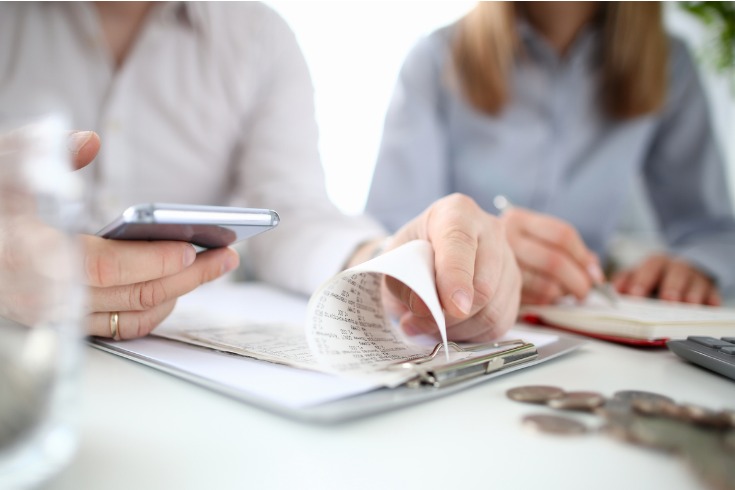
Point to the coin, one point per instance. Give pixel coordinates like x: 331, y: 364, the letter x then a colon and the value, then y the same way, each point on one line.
x: 729, y: 415
x: 554, y: 424
x: 655, y: 407
x: 697, y: 414
x: 630, y: 395
x: 578, y: 400
x: 662, y: 433
x: 728, y: 440
x: 712, y: 464
x: 615, y: 409
x: 534, y: 394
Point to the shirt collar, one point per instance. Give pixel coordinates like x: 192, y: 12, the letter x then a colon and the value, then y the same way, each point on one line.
x: 187, y: 14
x: 536, y: 45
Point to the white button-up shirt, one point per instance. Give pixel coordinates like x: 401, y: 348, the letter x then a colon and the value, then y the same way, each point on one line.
x: 212, y: 105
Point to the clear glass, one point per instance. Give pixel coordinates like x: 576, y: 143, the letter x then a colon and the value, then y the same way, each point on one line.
x: 41, y: 302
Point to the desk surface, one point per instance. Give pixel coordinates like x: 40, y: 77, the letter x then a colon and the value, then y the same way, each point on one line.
x: 143, y: 429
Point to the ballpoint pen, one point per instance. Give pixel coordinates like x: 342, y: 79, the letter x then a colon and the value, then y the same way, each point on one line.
x: 502, y: 204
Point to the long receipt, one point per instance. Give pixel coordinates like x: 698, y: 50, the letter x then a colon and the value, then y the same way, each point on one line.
x: 347, y: 330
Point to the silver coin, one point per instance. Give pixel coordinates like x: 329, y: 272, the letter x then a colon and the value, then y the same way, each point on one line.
x: 697, y: 414
x: 660, y: 433
x: 615, y: 410
x: 728, y: 439
x: 630, y: 395
x: 578, y: 400
x: 655, y: 407
x: 711, y: 463
x: 554, y: 424
x: 729, y: 415
x: 534, y: 394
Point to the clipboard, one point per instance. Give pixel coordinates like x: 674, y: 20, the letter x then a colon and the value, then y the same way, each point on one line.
x: 342, y: 328
x: 428, y: 384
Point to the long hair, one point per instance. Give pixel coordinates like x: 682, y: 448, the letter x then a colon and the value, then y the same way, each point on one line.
x: 634, y: 55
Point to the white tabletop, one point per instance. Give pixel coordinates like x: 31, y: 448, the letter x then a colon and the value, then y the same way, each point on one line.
x: 143, y: 429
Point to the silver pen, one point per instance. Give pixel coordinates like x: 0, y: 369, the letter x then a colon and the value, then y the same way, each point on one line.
x: 604, y: 288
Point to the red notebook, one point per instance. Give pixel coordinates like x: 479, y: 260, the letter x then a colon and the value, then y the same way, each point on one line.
x: 635, y: 321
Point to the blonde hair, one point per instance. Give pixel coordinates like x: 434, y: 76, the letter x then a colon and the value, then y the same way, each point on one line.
x: 634, y: 55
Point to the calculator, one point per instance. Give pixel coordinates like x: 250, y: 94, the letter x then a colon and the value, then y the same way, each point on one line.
x: 709, y: 352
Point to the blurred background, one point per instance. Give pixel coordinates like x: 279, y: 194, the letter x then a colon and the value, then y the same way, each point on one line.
x: 355, y: 50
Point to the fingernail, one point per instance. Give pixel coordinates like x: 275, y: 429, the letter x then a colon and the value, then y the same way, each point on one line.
x: 463, y: 301
x: 190, y: 255
x: 637, y: 290
x: 595, y: 272
x: 229, y: 264
x: 77, y: 140
x: 671, y: 295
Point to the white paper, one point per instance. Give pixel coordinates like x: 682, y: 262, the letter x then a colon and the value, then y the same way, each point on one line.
x: 347, y: 327
x: 343, y: 330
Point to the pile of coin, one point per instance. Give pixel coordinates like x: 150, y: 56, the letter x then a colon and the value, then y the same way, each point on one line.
x: 702, y: 437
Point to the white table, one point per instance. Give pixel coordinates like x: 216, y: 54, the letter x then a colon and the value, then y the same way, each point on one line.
x: 144, y: 429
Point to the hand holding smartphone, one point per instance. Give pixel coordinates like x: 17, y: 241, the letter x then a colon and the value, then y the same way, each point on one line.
x: 203, y: 226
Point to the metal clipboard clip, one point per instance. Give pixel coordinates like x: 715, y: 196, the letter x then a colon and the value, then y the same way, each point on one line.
x: 440, y: 375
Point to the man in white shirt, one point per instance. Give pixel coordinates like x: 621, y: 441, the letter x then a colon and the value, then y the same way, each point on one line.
x: 212, y: 103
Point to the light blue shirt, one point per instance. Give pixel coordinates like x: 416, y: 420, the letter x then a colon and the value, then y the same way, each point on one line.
x: 553, y: 149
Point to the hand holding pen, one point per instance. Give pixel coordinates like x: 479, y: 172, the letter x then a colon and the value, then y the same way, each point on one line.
x: 553, y: 258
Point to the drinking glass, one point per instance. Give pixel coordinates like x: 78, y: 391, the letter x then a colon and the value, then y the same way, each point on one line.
x: 41, y: 301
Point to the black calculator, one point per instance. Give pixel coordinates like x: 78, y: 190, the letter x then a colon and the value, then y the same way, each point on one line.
x: 709, y: 352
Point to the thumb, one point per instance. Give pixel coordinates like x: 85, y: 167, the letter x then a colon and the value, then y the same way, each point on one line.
x: 83, y: 147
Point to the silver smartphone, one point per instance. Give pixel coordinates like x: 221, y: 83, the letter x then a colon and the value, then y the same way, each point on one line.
x: 204, y: 226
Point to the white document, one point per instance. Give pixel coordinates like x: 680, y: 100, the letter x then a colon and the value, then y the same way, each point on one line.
x: 345, y: 329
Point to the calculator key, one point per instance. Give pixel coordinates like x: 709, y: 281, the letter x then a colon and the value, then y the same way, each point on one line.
x: 728, y: 350
x: 729, y: 339
x: 710, y: 342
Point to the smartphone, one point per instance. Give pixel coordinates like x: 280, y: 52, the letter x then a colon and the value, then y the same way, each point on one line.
x: 203, y: 226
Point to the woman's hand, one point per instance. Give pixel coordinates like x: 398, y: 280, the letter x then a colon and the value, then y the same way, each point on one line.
x: 477, y: 278
x: 554, y: 260
x: 670, y: 279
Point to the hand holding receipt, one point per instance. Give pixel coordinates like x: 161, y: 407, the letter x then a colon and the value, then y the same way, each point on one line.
x: 553, y: 258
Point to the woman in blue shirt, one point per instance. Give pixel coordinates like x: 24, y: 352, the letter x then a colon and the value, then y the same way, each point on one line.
x: 560, y: 106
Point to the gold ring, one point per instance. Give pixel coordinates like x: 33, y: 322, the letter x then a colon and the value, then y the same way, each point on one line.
x: 114, y: 325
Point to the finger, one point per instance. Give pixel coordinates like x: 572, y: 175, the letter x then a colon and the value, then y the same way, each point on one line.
x: 556, y: 234
x: 407, y: 297
x: 554, y: 263
x: 675, y: 279
x: 83, y: 147
x: 497, y: 316
x: 713, y: 298
x: 493, y: 317
x: 543, y: 289
x: 621, y: 280
x: 121, y: 262
x: 646, y: 277
x: 454, y: 234
x: 697, y: 290
x: 145, y: 295
x: 131, y: 324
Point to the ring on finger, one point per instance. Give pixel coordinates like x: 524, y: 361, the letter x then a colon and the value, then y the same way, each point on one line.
x: 115, y: 325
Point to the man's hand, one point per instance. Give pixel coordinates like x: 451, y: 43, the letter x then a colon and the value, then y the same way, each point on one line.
x: 83, y: 147
x: 142, y: 280
x: 139, y: 280
x: 477, y: 278
x: 554, y: 260
x: 671, y: 279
